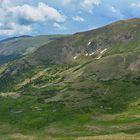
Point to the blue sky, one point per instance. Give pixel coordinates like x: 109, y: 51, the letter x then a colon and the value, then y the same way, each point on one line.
x: 37, y: 17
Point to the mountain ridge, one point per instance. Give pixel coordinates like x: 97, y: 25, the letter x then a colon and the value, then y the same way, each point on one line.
x: 16, y: 47
x: 90, y: 41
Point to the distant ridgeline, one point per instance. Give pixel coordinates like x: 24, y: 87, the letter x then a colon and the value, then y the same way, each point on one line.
x: 15, y: 47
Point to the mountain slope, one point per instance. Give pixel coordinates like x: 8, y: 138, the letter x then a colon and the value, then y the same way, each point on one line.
x: 117, y: 38
x: 16, y: 47
x: 86, y: 84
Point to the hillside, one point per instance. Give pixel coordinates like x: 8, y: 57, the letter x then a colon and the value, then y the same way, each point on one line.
x: 79, y: 87
x: 120, y: 37
x: 15, y: 47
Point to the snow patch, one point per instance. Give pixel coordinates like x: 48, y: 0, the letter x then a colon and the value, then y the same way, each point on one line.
x: 91, y: 53
x: 103, y: 51
x: 98, y: 57
x: 89, y: 43
x: 75, y: 57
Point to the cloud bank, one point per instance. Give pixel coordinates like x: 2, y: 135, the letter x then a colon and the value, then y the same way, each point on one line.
x: 18, y: 19
x: 35, y: 17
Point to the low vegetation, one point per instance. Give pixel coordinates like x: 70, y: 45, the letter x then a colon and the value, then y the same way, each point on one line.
x: 85, y: 99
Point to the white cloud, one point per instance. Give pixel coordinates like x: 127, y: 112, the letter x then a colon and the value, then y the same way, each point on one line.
x: 59, y: 26
x: 78, y: 18
x: 5, y: 2
x: 88, y: 5
x: 18, y: 19
x: 66, y: 2
x: 40, y: 13
x: 2, y: 13
x: 113, y: 9
x: 1, y: 25
x: 135, y: 5
x: 13, y: 28
x: 56, y: 25
x: 116, y: 12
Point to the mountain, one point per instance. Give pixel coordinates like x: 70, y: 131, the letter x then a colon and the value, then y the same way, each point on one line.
x: 75, y: 87
x: 15, y: 47
x: 116, y: 38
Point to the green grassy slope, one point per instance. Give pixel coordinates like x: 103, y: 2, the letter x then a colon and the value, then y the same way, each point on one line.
x: 90, y: 96
x: 83, y: 99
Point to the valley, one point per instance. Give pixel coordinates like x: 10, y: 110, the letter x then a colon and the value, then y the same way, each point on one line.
x: 84, y: 86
